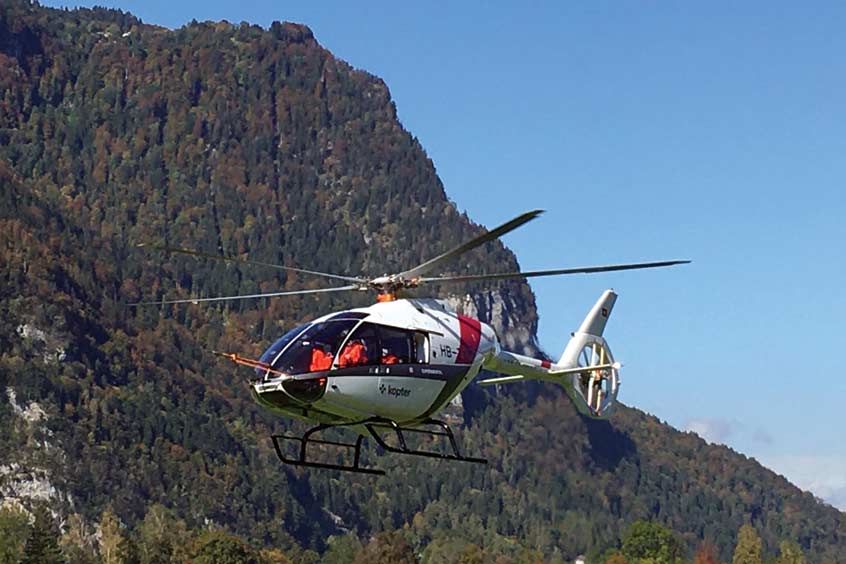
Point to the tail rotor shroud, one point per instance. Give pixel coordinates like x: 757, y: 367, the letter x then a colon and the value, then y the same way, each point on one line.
x: 599, y: 381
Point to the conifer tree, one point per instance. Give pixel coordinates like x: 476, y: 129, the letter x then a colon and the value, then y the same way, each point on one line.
x: 161, y: 537
x: 749, y: 546
x: 77, y: 542
x: 110, y: 538
x: 42, y: 544
x: 14, y: 527
x: 342, y: 549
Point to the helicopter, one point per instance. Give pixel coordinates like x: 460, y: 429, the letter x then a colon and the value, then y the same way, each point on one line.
x: 387, y: 370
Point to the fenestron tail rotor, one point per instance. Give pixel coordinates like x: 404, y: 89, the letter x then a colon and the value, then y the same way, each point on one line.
x: 388, y: 285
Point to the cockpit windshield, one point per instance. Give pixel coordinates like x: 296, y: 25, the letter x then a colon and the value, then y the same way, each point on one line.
x: 281, y: 343
x: 314, y: 349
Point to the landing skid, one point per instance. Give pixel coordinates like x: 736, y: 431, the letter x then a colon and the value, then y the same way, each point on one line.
x: 403, y: 448
x: 373, y: 426
x: 306, y: 439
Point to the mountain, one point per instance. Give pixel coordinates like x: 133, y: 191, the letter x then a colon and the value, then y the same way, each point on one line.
x: 259, y: 142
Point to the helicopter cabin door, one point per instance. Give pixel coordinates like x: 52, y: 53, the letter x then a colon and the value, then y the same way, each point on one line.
x: 382, y: 370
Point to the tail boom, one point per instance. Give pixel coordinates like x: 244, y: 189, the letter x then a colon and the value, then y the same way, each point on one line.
x: 586, y: 369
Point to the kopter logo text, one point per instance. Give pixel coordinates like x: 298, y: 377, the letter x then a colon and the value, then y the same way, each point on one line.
x: 394, y: 391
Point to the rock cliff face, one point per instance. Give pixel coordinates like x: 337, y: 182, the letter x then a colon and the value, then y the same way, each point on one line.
x: 515, y: 323
x: 26, y: 477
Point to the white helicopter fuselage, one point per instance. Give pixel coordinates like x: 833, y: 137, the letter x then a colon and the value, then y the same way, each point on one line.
x: 414, y: 356
x: 445, y: 353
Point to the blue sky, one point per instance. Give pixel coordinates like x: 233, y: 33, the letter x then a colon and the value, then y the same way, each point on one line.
x: 710, y: 131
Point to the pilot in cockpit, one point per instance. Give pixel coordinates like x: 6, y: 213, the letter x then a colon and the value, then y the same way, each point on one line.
x: 321, y: 357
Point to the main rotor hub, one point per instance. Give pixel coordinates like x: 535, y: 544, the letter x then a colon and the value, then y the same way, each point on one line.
x: 384, y: 280
x: 391, y: 284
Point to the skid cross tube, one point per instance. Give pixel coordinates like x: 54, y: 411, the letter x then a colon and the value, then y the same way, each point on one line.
x: 306, y: 439
x: 398, y: 430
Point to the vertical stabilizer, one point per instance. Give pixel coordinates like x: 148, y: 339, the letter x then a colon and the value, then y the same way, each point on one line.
x: 594, y: 323
x: 592, y: 326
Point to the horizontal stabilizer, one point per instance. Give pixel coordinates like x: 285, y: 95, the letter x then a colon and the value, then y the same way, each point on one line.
x: 501, y: 380
x: 579, y: 369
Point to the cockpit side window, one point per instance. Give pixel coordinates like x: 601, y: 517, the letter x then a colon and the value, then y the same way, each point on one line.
x: 362, y: 347
x: 372, y: 344
x: 421, y: 347
x: 396, y: 346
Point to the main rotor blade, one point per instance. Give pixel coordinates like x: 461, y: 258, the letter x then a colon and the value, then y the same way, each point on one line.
x: 432, y: 264
x: 252, y: 262
x: 251, y: 296
x: 534, y: 273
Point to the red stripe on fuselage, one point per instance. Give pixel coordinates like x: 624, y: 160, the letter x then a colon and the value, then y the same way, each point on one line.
x: 471, y: 334
x: 546, y: 364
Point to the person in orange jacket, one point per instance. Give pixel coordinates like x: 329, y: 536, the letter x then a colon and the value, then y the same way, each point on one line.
x: 320, y: 360
x: 354, y: 354
x: 388, y: 358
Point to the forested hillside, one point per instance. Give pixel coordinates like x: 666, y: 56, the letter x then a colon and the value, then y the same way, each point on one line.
x: 260, y: 143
